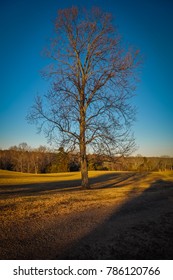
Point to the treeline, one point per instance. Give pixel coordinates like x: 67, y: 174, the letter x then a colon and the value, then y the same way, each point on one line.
x: 23, y: 158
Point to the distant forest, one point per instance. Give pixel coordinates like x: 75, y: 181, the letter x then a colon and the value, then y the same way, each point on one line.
x: 23, y: 158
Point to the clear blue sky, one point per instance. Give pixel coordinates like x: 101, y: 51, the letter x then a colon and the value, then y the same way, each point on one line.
x: 26, y: 26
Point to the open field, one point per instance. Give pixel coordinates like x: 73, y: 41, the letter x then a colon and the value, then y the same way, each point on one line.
x: 126, y: 215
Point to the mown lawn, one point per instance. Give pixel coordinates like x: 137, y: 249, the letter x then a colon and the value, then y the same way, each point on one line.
x: 125, y: 215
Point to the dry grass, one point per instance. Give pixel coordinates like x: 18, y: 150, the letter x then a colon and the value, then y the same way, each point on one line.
x: 125, y: 215
x: 11, y: 178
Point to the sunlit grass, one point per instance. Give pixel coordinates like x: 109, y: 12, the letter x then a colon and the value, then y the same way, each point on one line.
x: 12, y: 178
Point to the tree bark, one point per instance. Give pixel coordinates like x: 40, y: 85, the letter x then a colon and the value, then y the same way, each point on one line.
x: 84, y: 168
x: 83, y: 157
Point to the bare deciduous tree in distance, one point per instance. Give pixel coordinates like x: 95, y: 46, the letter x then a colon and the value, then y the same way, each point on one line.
x: 92, y: 79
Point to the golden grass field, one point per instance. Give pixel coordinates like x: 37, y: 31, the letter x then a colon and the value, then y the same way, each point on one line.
x: 125, y: 215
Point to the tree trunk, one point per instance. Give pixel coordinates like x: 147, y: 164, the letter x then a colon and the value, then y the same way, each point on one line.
x: 83, y: 158
x: 84, y: 173
x: 84, y: 167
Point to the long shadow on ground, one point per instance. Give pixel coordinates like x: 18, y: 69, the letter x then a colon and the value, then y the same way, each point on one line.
x: 142, y: 228
x: 35, y: 189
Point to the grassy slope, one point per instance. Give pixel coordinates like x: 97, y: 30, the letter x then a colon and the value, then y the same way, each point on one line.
x: 125, y: 215
x: 11, y: 177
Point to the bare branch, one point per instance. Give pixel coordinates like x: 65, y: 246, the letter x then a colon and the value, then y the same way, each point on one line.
x: 92, y: 82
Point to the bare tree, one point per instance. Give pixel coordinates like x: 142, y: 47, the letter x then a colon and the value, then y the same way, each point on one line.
x: 92, y: 79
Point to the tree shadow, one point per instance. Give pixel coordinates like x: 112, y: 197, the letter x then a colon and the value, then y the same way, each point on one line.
x: 118, y: 180
x: 110, y: 180
x: 141, y: 228
x: 37, y: 189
